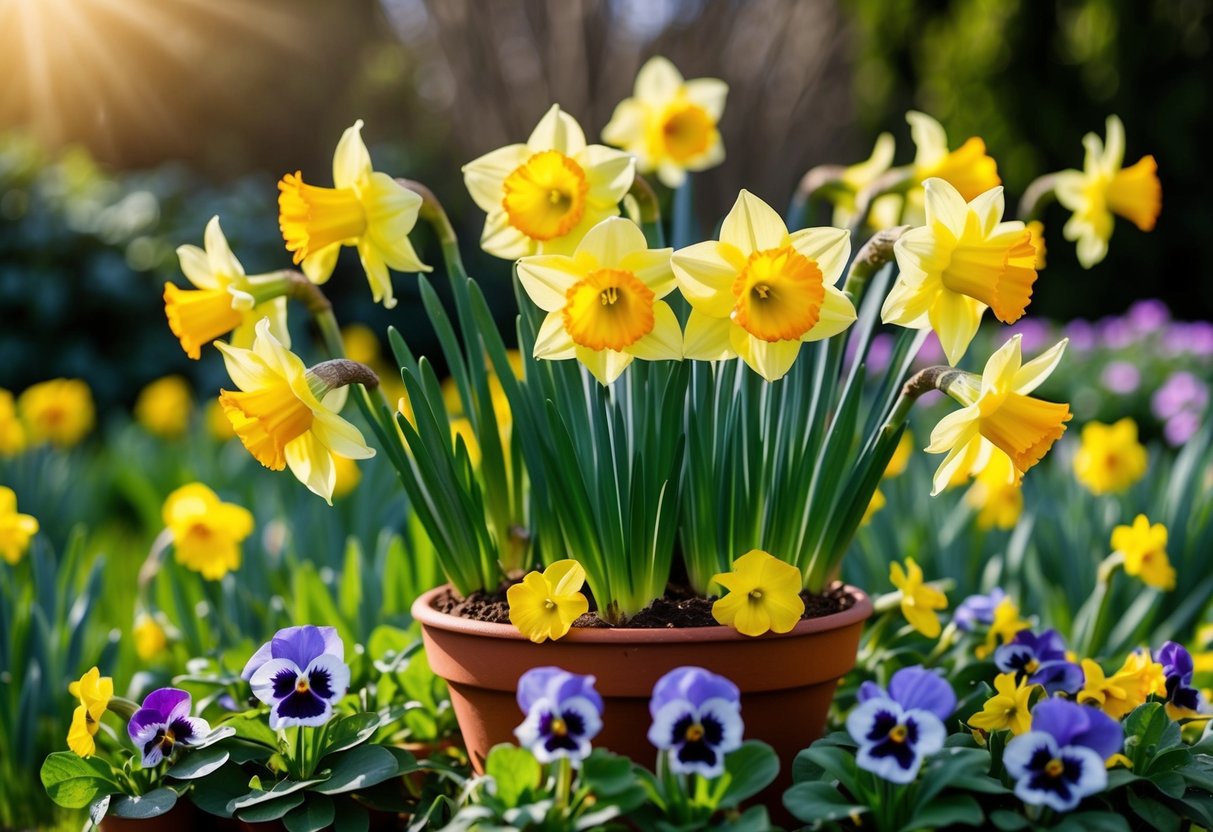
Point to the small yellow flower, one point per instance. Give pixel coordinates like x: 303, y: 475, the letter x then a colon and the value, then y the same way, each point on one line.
x: 546, y: 604
x: 604, y: 303
x: 12, y: 432
x: 150, y: 638
x: 918, y: 600
x: 878, y: 502
x: 94, y: 692
x: 217, y: 424
x: 1008, y: 709
x: 968, y: 168
x: 962, y: 261
x: 997, y: 408
x: 163, y: 407
x: 856, y: 178
x: 996, y: 494
x: 366, y: 209
x: 281, y: 419
x: 1103, y: 188
x: 1003, y: 628
x: 764, y: 594
x: 223, y: 299
x: 669, y: 124
x: 543, y: 196
x: 15, y: 529
x: 1145, y: 549
x: 59, y: 411
x: 348, y: 475
x: 1120, y: 693
x: 206, y: 531
x: 761, y: 292
x: 1119, y: 760
x: 1110, y: 458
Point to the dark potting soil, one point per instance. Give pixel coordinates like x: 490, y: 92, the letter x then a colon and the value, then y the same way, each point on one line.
x: 677, y: 608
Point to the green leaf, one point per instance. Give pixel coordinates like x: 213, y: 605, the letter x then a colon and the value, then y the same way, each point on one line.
x: 750, y: 769
x: 151, y: 805
x: 812, y: 802
x: 1158, y: 816
x: 359, y: 768
x: 1008, y: 821
x: 74, y: 782
x: 515, y: 771
x: 1093, y: 822
x: 282, y: 787
x: 947, y: 810
x: 271, y: 809
x: 315, y: 814
x: 350, y: 817
x: 1148, y: 732
x: 199, y: 763
x: 213, y: 793
x: 350, y: 731
x: 607, y: 774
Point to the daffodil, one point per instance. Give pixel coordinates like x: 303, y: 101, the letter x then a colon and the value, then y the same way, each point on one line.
x: 761, y: 292
x: 996, y: 494
x: 545, y: 605
x: 1006, y: 623
x: 764, y: 595
x: 998, y: 407
x: 1103, y: 188
x: 1008, y: 709
x: 969, y: 169
x: 543, y: 196
x: 1110, y: 459
x: 962, y: 261
x: 1144, y: 547
x: 366, y: 209
x: 206, y: 531
x: 150, y: 638
x: 669, y: 124
x: 604, y: 303
x: 59, y: 411
x: 1036, y: 229
x: 163, y: 407
x: 361, y: 344
x: 1120, y: 693
x: 223, y: 299
x: 919, y: 601
x: 857, y: 178
x: 16, y: 529
x: 12, y: 432
x: 94, y: 692
x: 286, y: 415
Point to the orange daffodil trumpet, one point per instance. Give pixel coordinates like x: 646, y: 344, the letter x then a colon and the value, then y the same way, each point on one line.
x: 543, y: 196
x: 669, y: 124
x: 998, y: 408
x: 963, y: 260
x: 604, y: 303
x: 286, y: 414
x: 1103, y: 188
x: 223, y: 299
x: 365, y: 208
x: 761, y: 292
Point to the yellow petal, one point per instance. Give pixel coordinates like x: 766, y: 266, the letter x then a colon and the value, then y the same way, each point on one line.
x: 484, y: 176
x: 553, y: 341
x: 218, y: 254
x: 1032, y: 374
x: 707, y: 338
x: 658, y: 80
x: 836, y: 314
x: 830, y: 248
x: 955, y: 319
x: 351, y: 161
x: 604, y: 365
x: 708, y: 93
x: 944, y: 204
x: 705, y: 275
x: 610, y: 241
x: 664, y: 341
x: 547, y: 278
x: 565, y: 576
x: 312, y: 465
x: 930, y: 140
x: 319, y: 265
x: 770, y: 359
x: 752, y: 225
x: 559, y: 131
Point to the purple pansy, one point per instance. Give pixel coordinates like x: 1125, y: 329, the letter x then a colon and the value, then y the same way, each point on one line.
x: 1041, y: 659
x: 162, y: 723
x: 300, y: 673
x: 977, y: 609
x: 1183, y: 700
x: 563, y: 713
x: 1062, y: 759
x: 697, y: 719
x: 896, y: 729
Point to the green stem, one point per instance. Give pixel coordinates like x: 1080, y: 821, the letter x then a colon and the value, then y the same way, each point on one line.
x: 1039, y: 194
x: 873, y: 255
x: 1097, y: 632
x: 564, y: 781
x: 650, y: 211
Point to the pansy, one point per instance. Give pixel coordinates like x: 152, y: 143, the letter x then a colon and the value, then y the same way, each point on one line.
x: 763, y: 595
x: 761, y: 292
x: 545, y: 604
x: 1062, y: 759
x: 1041, y: 660
x: 94, y: 692
x: 977, y: 609
x: 919, y: 600
x: 696, y: 719
x: 162, y: 723
x: 1183, y: 700
x: 1007, y: 709
x: 1110, y: 459
x: 563, y: 714
x: 301, y: 673
x: 896, y: 729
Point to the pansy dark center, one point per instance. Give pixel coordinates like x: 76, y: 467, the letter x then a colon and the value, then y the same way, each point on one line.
x: 1031, y: 665
x: 1055, y: 768
x: 694, y: 732
x: 301, y: 686
x: 559, y: 727
x: 898, y: 733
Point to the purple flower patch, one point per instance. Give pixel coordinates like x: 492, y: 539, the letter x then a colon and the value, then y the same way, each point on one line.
x: 1183, y: 700
x: 162, y: 723
x: 697, y: 719
x: 978, y: 609
x: 300, y: 674
x: 898, y: 728
x: 1041, y: 659
x: 563, y: 713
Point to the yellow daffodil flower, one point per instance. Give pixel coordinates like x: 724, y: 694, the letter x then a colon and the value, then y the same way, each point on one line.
x: 669, y: 124
x: 604, y: 303
x: 206, y: 531
x: 1036, y: 229
x: 764, y: 595
x: 1008, y: 709
x: 94, y: 692
x: 12, y: 432
x: 1002, y: 629
x: 1144, y: 547
x: 365, y: 208
x: 361, y: 344
x: 150, y: 638
x: 546, y: 604
x: 885, y: 211
x: 217, y: 424
x: 1117, y: 695
x: 996, y: 494
x: 282, y: 419
x: 761, y: 292
x: 1110, y: 459
x: 997, y: 407
x: 543, y: 196
x: 163, y: 407
x: 223, y: 299
x: 919, y: 601
x: 968, y: 168
x: 962, y: 261
x: 16, y: 530
x: 1103, y: 188
x: 59, y: 411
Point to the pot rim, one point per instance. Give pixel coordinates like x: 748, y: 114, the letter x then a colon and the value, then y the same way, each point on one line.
x: 424, y: 612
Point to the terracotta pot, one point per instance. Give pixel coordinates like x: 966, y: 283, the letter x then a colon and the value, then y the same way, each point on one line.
x: 787, y: 681
x: 183, y: 816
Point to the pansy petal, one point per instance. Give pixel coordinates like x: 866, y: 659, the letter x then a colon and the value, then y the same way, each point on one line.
x: 266, y: 681
x: 328, y: 676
